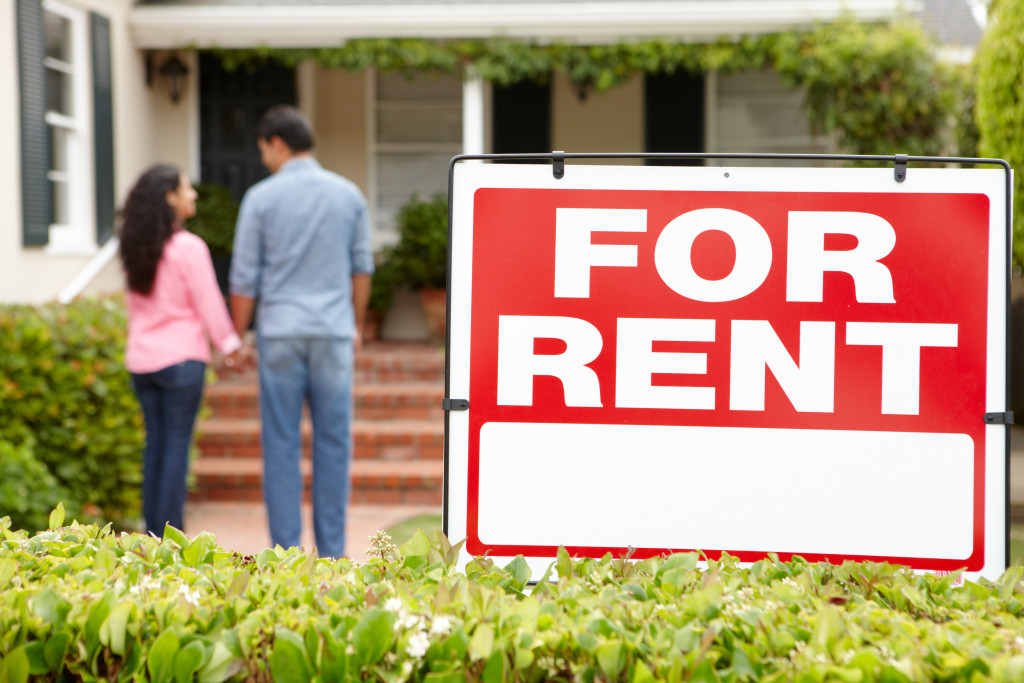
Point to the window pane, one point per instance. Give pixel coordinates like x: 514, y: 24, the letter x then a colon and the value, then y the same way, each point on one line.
x: 58, y: 149
x: 60, y: 203
x: 58, y: 37
x: 58, y: 92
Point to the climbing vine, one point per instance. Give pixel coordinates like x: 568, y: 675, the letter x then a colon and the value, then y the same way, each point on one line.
x: 879, y: 88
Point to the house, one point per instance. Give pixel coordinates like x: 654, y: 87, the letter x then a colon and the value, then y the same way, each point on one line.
x: 94, y: 91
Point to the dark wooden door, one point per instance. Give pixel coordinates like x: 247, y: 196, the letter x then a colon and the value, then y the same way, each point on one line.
x: 230, y: 105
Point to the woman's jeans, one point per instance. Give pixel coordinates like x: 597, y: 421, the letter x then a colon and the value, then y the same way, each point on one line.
x: 170, y: 401
x: 293, y: 372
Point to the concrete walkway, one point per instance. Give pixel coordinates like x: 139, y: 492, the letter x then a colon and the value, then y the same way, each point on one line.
x: 242, y: 526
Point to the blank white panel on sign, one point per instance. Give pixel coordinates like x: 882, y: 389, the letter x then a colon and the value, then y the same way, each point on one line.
x: 716, y: 488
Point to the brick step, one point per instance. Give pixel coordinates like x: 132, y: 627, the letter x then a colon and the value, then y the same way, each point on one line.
x: 400, y: 362
x: 380, y: 362
x: 373, y: 482
x: 394, y: 440
x: 383, y: 401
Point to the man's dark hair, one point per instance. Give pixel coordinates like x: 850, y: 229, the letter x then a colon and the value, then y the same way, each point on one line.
x: 289, y: 124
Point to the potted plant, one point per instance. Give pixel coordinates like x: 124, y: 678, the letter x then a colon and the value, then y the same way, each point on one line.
x: 216, y: 215
x: 419, y: 260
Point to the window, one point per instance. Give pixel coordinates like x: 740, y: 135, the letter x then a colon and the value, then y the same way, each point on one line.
x: 418, y: 130
x: 67, y: 113
x: 66, y: 126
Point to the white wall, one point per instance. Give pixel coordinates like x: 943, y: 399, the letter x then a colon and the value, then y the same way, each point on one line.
x: 609, y: 121
x: 147, y: 128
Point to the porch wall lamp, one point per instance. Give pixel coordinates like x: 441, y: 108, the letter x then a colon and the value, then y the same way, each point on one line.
x: 174, y: 71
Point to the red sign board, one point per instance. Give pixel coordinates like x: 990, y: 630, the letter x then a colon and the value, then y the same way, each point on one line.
x: 764, y: 360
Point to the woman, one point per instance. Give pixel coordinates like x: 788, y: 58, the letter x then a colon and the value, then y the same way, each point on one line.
x: 174, y: 306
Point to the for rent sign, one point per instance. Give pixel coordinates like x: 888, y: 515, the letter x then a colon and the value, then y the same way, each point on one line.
x: 740, y: 360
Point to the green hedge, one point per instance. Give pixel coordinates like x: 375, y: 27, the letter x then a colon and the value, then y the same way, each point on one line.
x: 84, y: 604
x: 66, y: 404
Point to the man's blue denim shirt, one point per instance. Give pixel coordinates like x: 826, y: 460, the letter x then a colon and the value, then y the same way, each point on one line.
x: 301, y: 235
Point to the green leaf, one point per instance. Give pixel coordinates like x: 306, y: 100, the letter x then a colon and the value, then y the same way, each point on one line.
x: 114, y: 628
x: 36, y: 659
x: 641, y: 674
x: 496, y: 670
x: 373, y: 635
x: 288, y: 662
x: 482, y: 642
x: 97, y: 616
x: 220, y: 663
x: 196, y: 552
x: 563, y: 563
x: 445, y: 677
x: 45, y: 606
x: 55, y: 649
x: 520, y: 571
x: 7, y: 569
x: 176, y: 535
x: 57, y: 517
x: 15, y: 667
x: 611, y: 657
x: 1008, y: 582
x: 188, y: 661
x: 827, y: 629
x: 238, y: 586
x: 417, y: 546
x: 160, y: 663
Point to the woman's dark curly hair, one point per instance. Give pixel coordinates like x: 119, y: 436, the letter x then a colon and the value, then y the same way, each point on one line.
x: 147, y: 222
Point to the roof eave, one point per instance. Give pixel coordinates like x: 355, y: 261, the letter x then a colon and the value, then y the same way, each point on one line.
x: 165, y: 27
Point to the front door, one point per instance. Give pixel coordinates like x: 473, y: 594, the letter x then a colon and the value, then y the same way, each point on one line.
x: 230, y: 106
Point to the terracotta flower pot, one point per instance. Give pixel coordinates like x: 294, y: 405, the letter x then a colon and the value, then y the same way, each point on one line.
x: 435, y: 307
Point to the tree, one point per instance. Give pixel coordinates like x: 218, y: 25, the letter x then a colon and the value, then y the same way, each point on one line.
x: 1000, y: 101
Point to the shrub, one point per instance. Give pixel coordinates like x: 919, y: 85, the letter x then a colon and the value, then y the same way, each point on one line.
x: 84, y: 604
x: 27, y: 489
x: 216, y: 215
x: 419, y: 260
x: 65, y: 392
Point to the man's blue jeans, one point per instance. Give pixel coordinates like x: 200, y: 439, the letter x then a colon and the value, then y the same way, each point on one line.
x: 292, y: 371
x: 170, y: 401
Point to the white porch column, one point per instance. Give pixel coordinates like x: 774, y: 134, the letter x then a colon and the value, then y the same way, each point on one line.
x: 473, y: 123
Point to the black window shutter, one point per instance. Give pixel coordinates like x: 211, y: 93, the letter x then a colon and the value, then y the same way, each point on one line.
x: 36, y: 192
x: 103, y: 126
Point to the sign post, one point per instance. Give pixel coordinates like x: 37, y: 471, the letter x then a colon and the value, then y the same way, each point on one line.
x: 805, y: 361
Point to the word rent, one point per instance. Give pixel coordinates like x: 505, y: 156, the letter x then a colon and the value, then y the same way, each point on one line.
x: 755, y: 347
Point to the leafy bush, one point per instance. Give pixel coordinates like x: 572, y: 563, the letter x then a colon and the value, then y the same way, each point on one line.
x: 1000, y: 101
x: 84, y: 604
x: 64, y: 392
x: 419, y: 260
x: 879, y: 87
x: 216, y: 215
x: 27, y: 489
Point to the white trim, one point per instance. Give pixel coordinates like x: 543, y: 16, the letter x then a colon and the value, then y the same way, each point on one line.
x: 473, y: 129
x: 78, y: 235
x: 296, y: 25
x: 370, y: 91
x: 86, y: 275
x: 194, y: 143
x: 305, y: 84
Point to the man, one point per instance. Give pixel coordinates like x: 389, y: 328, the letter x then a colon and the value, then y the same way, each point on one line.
x: 302, y: 249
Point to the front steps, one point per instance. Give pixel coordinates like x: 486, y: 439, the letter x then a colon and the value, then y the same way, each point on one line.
x: 398, y: 432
